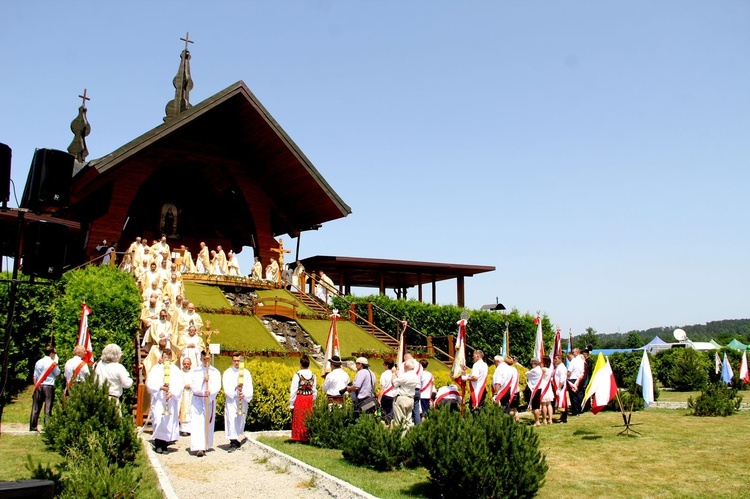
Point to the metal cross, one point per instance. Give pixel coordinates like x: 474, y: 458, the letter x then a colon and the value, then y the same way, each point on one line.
x: 84, y: 98
x: 187, y: 39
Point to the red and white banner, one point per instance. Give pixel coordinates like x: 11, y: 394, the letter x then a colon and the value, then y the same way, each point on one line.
x: 84, y: 338
x: 332, y: 343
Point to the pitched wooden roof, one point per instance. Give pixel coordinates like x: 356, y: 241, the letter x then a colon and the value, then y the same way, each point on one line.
x: 233, y: 124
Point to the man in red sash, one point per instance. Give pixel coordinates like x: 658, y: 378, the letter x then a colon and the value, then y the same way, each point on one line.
x: 76, y: 368
x: 478, y: 378
x: 45, y: 371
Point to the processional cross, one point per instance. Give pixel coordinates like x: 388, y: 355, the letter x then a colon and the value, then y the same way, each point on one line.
x: 280, y: 250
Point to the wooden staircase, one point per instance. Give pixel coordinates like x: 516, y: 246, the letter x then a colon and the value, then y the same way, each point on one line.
x: 313, y: 304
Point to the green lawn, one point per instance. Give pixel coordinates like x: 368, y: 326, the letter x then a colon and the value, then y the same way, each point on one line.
x: 302, y: 309
x: 205, y: 296
x: 19, y: 410
x: 14, y: 450
x: 240, y: 332
x: 677, y: 456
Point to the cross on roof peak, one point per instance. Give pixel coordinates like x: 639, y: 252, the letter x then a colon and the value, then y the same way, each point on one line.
x: 83, y: 104
x: 187, y: 39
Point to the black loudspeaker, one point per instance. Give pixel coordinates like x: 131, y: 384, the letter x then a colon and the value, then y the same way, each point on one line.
x: 45, y: 246
x: 5, y: 154
x: 48, y: 185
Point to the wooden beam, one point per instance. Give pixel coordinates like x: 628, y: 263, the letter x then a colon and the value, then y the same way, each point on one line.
x: 460, y: 291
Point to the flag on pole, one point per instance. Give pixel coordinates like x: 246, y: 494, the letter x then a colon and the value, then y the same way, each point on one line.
x: 401, y: 345
x: 744, y: 374
x: 332, y: 343
x: 646, y: 380
x: 539, y: 344
x: 459, y: 360
x: 504, y: 350
x: 718, y: 363
x: 84, y: 338
x: 602, y: 387
x: 726, y: 371
x: 556, y: 347
x: 570, y: 347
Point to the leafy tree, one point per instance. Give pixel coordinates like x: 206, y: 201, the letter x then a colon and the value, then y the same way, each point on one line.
x: 115, y: 303
x: 634, y: 340
x: 30, y: 332
x: 589, y: 338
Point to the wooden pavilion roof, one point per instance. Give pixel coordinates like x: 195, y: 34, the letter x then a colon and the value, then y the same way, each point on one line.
x: 347, y: 272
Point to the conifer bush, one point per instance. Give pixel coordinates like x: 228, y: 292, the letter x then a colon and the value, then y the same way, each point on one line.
x: 89, y: 410
x: 483, y: 454
x: 374, y: 445
x: 717, y: 399
x: 326, y: 425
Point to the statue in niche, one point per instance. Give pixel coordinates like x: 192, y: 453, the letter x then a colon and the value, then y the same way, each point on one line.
x: 168, y: 220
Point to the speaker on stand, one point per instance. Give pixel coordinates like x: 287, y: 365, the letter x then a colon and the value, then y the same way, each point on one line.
x: 48, y: 184
x: 45, y: 246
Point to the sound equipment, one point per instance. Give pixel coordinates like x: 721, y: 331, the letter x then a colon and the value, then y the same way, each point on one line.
x: 5, y: 155
x: 44, y: 249
x: 48, y: 185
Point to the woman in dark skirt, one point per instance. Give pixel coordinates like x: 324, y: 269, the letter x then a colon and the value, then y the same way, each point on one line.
x: 301, y: 399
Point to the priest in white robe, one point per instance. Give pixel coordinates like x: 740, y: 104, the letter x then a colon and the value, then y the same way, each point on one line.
x: 165, y: 383
x: 192, y: 345
x: 205, y: 382
x: 203, y: 261
x: 238, y: 388
x: 186, y: 400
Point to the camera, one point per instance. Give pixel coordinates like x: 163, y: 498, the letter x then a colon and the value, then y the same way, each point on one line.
x: 342, y: 391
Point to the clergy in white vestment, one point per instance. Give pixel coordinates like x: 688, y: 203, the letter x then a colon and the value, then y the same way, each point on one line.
x: 233, y: 264
x: 186, y: 400
x: 257, y: 271
x: 165, y: 383
x: 203, y: 261
x: 158, y: 330
x: 238, y: 388
x: 205, y: 382
x: 192, y: 346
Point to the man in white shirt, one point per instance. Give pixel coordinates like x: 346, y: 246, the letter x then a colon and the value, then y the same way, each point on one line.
x: 478, y: 379
x: 405, y: 383
x: 576, y: 387
x: 387, y: 391
x: 76, y: 368
x: 426, y: 389
x: 45, y: 371
x: 238, y: 388
x: 448, y: 394
x: 501, y: 381
x: 336, y: 382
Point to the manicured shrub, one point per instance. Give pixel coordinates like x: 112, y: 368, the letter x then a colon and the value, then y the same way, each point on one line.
x: 625, y: 366
x: 718, y: 399
x: 270, y: 406
x: 372, y: 444
x: 326, y: 424
x: 87, y: 411
x: 483, y: 454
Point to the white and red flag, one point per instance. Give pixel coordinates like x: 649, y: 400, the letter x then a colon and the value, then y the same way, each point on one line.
x: 556, y: 347
x: 459, y: 360
x: 539, y: 344
x: 744, y: 374
x: 401, y: 346
x: 332, y: 343
x: 84, y: 337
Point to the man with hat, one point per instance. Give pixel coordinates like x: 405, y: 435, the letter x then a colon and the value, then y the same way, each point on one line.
x: 363, y: 386
x: 335, y: 382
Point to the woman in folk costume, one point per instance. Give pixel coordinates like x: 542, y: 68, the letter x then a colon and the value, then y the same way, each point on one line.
x: 165, y: 383
x: 238, y: 388
x: 302, y: 396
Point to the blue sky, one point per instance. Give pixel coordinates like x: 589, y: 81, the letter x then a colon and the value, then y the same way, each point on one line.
x: 596, y: 153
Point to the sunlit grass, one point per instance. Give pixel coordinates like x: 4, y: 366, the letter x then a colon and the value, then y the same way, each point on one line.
x: 678, y: 455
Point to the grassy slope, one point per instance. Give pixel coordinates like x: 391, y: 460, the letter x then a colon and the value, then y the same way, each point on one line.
x: 302, y: 309
x: 677, y: 456
x: 241, y: 332
x: 352, y: 338
x: 205, y: 296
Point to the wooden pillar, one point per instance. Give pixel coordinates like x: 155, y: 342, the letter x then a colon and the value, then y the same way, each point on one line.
x: 434, y: 291
x: 419, y: 291
x: 451, y: 347
x: 352, y: 316
x: 430, y: 347
x: 382, y: 283
x: 460, y: 291
x: 369, y: 312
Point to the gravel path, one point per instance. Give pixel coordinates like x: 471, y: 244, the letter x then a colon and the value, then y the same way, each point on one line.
x: 254, y: 470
